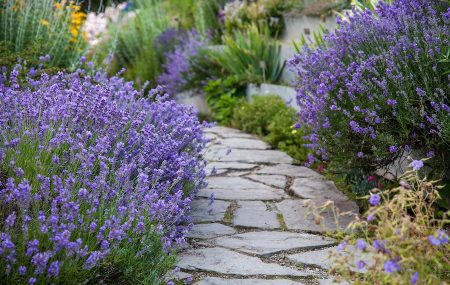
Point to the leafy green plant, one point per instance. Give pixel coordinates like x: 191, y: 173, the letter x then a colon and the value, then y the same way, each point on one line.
x: 270, y: 118
x: 57, y: 24
x: 206, y: 19
x: 252, y: 55
x: 134, y: 39
x: 239, y: 14
x: 223, y: 96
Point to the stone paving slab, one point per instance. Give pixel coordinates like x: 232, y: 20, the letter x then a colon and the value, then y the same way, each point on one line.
x: 289, y: 170
x: 228, y: 132
x: 203, y: 212
x: 267, y: 243
x: 243, y: 143
x: 254, y: 214
x: 250, y: 183
x: 205, y: 231
x: 319, y: 257
x: 238, y: 188
x: 295, y: 217
x: 272, y: 180
x: 250, y: 281
x: 216, y: 153
x: 225, y: 261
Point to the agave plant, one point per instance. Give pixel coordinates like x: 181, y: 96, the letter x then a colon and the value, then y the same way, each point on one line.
x: 252, y: 54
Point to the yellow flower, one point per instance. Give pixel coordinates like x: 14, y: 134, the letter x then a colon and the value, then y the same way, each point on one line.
x: 44, y: 22
x: 294, y: 132
x: 58, y: 6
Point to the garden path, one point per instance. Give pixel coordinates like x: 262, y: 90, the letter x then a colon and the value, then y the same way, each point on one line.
x: 256, y: 230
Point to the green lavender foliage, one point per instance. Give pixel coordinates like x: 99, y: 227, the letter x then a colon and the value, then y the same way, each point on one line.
x: 134, y: 41
x: 25, y: 23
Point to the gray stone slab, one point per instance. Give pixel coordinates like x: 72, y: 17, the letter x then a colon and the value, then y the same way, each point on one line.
x: 250, y: 281
x: 227, y: 132
x: 205, y: 231
x: 321, y: 191
x: 238, y: 188
x: 319, y: 257
x: 267, y: 243
x: 289, y: 170
x: 295, y: 216
x: 216, y: 153
x: 273, y: 180
x: 243, y: 143
x: 203, y: 212
x: 225, y: 261
x: 254, y: 214
x: 226, y: 166
x: 331, y: 281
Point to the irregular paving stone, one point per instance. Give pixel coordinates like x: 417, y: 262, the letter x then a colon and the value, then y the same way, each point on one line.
x: 227, y: 132
x: 255, y: 214
x: 203, y: 212
x: 250, y: 281
x: 321, y: 191
x: 204, y: 231
x: 318, y: 257
x: 247, y: 155
x: 228, y: 166
x: 267, y: 243
x: 289, y: 170
x: 331, y: 281
x: 243, y: 143
x: 295, y: 216
x: 273, y: 180
x: 238, y: 188
x: 225, y: 261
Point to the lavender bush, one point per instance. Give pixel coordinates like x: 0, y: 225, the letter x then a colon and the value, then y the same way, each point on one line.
x: 93, y: 175
x: 176, y: 75
x: 376, y: 88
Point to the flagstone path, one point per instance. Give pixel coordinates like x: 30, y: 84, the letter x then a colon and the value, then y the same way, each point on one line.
x: 256, y: 230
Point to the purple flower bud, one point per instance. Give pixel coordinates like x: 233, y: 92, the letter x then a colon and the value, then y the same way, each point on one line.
x: 391, y: 266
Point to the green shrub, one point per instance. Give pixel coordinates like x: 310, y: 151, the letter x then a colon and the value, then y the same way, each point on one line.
x: 57, y: 24
x: 270, y: 118
x: 134, y: 38
x: 223, y: 96
x: 29, y: 56
x: 252, y: 55
x: 238, y: 14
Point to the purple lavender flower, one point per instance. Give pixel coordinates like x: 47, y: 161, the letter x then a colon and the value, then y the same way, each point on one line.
x: 361, y: 244
x: 415, y: 278
x: 176, y: 70
x: 391, y: 266
x: 416, y: 165
x: 440, y: 238
x: 360, y: 264
x: 380, y: 245
x: 342, y: 245
x: 374, y: 199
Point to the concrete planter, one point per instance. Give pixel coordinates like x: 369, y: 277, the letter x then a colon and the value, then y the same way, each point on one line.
x: 192, y: 98
x: 284, y: 92
x: 298, y: 25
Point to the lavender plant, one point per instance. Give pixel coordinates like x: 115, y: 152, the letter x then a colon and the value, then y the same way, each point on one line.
x: 376, y: 88
x: 94, y: 177
x: 177, y: 69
